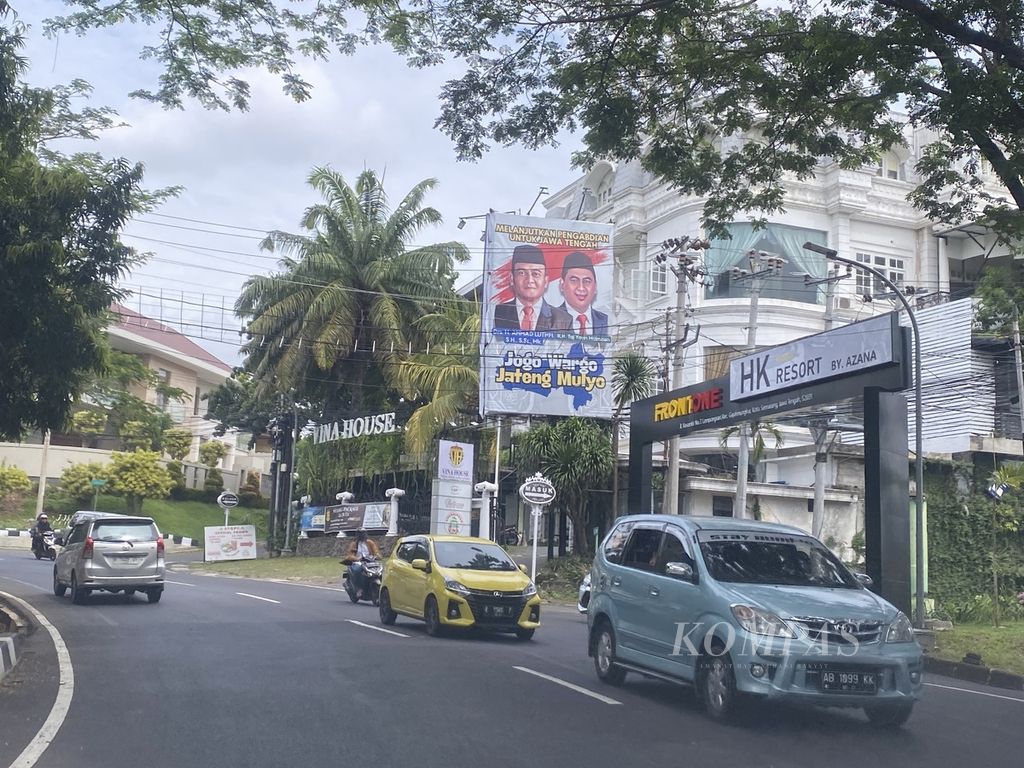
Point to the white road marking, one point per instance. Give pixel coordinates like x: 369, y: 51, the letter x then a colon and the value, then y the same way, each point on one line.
x: 300, y: 584
x: 179, y: 583
x: 26, y: 583
x: 378, y: 629
x: 257, y: 597
x: 978, y: 693
x: 567, y: 684
x: 65, y: 690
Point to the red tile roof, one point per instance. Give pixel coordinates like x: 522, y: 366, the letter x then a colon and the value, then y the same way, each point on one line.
x: 153, y: 330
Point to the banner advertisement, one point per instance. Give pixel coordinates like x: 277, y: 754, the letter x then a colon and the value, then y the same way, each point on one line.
x: 455, y: 461
x: 229, y: 542
x: 312, y: 519
x: 352, y: 517
x: 547, y: 317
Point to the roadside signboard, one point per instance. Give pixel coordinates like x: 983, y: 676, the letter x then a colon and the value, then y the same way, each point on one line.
x: 229, y: 542
x: 227, y: 500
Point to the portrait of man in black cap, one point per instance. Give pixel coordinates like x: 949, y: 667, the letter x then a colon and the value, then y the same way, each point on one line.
x: 529, y: 311
x: 579, y: 288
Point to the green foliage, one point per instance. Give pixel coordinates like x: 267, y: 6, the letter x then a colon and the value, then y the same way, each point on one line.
x: 177, y: 473
x: 13, y: 480
x: 75, y: 481
x: 238, y: 403
x: 575, y: 455
x: 332, y: 323
x: 633, y: 378
x: 212, y: 451
x: 135, y: 436
x: 89, y: 422
x: 176, y: 443
x: 60, y: 251
x: 214, y: 481
x: 139, y: 476
x: 249, y: 493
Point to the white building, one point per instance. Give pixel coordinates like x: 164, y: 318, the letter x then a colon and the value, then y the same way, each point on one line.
x: 862, y: 214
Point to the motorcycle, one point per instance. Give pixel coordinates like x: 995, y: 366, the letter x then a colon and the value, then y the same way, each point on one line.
x: 373, y: 570
x: 43, y: 545
x: 508, y: 536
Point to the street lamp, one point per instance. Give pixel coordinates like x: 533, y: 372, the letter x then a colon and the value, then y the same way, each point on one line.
x: 832, y: 255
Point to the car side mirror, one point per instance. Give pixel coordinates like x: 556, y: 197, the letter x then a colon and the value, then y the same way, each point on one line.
x: 681, y: 571
x: 865, y: 580
x: 523, y: 568
x: 58, y: 540
x: 421, y: 565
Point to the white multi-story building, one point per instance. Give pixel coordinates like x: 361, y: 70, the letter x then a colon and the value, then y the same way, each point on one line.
x: 864, y: 215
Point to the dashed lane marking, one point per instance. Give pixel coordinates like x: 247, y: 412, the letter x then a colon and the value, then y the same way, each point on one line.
x: 376, y: 629
x: 257, y: 597
x: 570, y: 686
x: 977, y: 693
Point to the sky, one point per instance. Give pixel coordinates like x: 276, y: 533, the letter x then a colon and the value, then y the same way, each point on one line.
x: 244, y: 173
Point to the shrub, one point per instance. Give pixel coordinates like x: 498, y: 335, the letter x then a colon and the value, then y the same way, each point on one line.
x: 214, y: 481
x: 212, y: 451
x: 176, y: 443
x: 139, y: 476
x: 76, y: 480
x: 177, y: 473
x: 13, y: 480
x: 249, y: 494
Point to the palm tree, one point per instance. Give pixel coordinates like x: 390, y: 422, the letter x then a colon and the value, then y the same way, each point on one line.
x: 339, y: 310
x: 575, y: 455
x: 446, y: 374
x: 633, y: 378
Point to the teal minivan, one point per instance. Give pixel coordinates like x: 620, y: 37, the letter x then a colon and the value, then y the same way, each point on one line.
x: 742, y: 608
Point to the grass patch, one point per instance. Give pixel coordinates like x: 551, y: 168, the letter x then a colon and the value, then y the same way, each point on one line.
x: 309, y: 570
x: 181, y: 518
x: 1000, y: 647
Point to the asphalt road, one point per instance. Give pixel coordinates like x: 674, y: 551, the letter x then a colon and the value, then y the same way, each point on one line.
x: 235, y: 672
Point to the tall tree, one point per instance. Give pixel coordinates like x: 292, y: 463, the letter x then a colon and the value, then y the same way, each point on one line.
x: 662, y: 79
x: 633, y: 378
x: 575, y: 455
x: 59, y: 247
x: 337, y: 315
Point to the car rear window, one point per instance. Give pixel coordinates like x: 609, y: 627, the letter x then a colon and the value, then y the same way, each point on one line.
x: 133, y: 530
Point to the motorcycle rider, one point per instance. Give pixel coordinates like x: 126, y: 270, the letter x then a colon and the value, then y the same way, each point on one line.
x: 41, y: 527
x: 361, y: 547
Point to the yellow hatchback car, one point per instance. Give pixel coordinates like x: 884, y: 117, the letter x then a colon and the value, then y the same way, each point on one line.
x: 458, y: 581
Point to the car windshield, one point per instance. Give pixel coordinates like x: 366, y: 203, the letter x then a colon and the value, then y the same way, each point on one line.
x: 474, y: 557
x: 767, y: 558
x: 124, y: 531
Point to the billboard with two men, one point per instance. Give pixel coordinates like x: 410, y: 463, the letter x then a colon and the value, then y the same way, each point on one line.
x: 547, y: 321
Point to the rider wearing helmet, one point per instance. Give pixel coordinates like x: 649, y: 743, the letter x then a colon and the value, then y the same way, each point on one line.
x: 42, y: 526
x: 361, y: 548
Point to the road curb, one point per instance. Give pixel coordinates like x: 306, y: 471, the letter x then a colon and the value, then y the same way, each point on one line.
x: 12, y: 627
x: 184, y: 541
x: 15, y: 532
x: 974, y: 673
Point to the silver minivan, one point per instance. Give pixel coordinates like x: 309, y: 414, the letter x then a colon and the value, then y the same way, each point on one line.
x: 112, y: 553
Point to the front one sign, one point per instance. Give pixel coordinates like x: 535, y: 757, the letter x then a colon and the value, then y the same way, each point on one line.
x: 351, y: 517
x: 227, y: 500
x: 312, y: 519
x: 381, y: 424
x: 537, y: 490
x: 848, y: 350
x: 229, y: 542
x: 455, y: 461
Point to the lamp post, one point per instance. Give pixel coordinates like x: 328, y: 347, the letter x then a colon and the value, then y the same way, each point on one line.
x: 832, y: 255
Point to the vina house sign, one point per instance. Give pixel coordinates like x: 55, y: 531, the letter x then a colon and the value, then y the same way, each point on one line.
x: 381, y: 424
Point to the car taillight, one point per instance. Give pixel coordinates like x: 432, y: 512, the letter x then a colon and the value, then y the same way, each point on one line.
x: 160, y: 546
x: 87, y: 550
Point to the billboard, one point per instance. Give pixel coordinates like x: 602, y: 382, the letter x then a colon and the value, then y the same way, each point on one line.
x: 455, y: 461
x: 229, y: 542
x: 547, y: 317
x: 351, y: 517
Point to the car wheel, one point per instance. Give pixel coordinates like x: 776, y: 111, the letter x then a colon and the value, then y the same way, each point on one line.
x: 604, y: 657
x: 387, y: 616
x: 77, y: 594
x: 432, y: 616
x: 892, y: 716
x: 525, y: 634
x: 58, y: 588
x: 53, y: 556
x: 154, y: 595
x: 716, y: 684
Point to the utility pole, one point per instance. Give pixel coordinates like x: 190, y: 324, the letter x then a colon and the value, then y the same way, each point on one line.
x: 762, y: 266
x: 1020, y: 372
x: 820, y: 433
x: 686, y: 271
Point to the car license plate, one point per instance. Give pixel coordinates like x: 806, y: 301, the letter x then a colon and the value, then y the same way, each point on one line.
x: 130, y: 562
x: 498, y: 611
x: 842, y: 681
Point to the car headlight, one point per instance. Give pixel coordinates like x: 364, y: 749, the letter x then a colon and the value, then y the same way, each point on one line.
x: 901, y: 630
x: 760, y: 622
x: 530, y: 590
x: 457, y: 587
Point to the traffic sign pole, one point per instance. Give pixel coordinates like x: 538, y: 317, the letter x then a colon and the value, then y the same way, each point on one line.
x: 226, y: 501
x: 538, y: 492
x: 535, y: 512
